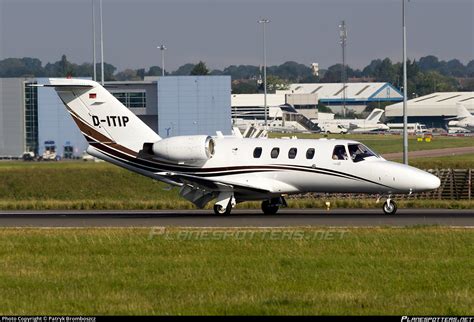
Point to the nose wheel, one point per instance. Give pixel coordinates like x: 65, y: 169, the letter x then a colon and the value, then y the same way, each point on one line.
x: 389, y: 207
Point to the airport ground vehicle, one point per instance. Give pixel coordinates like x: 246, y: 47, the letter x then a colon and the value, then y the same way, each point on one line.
x: 412, y: 128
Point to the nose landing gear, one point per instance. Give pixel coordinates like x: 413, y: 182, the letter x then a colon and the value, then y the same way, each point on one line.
x: 389, y: 207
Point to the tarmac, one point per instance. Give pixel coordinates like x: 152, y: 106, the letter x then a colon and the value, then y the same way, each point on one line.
x: 238, y: 218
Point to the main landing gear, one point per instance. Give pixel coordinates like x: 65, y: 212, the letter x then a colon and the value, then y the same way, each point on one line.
x: 224, y: 204
x: 219, y: 210
x: 270, y: 207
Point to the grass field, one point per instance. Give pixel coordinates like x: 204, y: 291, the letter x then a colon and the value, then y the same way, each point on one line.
x: 413, y: 271
x: 81, y: 185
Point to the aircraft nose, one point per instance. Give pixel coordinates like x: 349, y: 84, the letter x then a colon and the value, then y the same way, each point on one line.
x: 427, y: 181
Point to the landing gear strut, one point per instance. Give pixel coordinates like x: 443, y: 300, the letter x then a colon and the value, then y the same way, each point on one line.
x: 389, y: 207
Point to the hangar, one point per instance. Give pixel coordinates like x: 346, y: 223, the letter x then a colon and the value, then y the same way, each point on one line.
x: 357, y: 95
x: 432, y: 109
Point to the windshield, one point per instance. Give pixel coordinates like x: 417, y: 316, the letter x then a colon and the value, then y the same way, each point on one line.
x: 359, y: 152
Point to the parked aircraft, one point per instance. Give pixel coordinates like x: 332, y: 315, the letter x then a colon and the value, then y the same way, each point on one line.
x: 232, y: 169
x: 371, y: 123
x: 464, y: 119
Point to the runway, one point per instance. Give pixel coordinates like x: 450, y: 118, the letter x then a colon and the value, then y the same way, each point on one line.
x: 238, y: 218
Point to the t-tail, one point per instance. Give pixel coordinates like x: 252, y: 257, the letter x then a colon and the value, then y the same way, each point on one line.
x: 462, y: 111
x: 375, y: 116
x: 105, y: 122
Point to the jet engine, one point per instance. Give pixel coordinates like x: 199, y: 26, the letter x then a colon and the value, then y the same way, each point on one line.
x: 185, y: 149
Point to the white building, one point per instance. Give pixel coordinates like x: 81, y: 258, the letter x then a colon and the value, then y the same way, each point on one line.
x: 357, y: 95
x: 431, y: 109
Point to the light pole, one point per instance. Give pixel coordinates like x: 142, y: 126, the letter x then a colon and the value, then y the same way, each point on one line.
x: 94, y: 62
x: 162, y: 48
x: 343, y: 39
x: 405, y: 118
x: 101, y: 46
x: 264, y: 22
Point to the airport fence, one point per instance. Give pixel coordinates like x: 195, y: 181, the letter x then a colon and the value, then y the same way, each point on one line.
x: 456, y: 184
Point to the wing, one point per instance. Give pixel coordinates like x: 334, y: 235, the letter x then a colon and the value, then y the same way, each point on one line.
x: 200, y: 190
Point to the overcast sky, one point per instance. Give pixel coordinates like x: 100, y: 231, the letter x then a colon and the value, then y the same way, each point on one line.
x: 226, y: 32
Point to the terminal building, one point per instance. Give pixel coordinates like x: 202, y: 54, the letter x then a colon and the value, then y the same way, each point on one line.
x: 432, y: 109
x: 34, y: 119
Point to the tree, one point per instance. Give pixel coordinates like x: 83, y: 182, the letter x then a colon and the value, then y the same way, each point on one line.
x: 155, y: 71
x: 470, y: 69
x: 127, y: 75
x: 200, y: 69
x: 244, y: 87
x: 370, y: 70
x: 242, y: 72
x: 291, y: 71
x: 276, y: 83
x: 65, y: 67
x: 183, y: 70
x: 432, y: 81
x: 20, y: 67
x: 429, y: 63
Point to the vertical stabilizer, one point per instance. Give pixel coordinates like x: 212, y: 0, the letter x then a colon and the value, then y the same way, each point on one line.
x: 100, y: 116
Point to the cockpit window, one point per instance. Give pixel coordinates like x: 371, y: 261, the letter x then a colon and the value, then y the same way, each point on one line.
x: 359, y: 152
x: 339, y: 153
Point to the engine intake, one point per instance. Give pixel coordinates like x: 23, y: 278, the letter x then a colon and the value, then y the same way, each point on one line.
x: 186, y: 149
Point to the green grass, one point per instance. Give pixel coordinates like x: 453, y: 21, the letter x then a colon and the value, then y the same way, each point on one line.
x: 413, y: 271
x: 464, y: 161
x: 65, y: 181
x: 392, y: 143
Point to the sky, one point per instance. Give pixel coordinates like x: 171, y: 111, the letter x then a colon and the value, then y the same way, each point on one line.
x: 226, y: 32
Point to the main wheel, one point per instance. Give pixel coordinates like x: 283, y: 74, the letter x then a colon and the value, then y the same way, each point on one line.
x: 389, y: 207
x: 219, y: 210
x: 268, y: 208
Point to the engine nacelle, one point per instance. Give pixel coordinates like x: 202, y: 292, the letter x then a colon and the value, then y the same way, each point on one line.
x: 186, y: 149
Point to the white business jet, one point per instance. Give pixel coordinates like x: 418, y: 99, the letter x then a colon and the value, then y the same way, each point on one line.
x: 232, y: 169
x: 371, y: 123
x: 464, y: 119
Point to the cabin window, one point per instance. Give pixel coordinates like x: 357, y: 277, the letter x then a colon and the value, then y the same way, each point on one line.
x: 275, y: 152
x: 292, y: 153
x: 339, y: 153
x: 310, y: 153
x: 257, y: 152
x: 359, y: 152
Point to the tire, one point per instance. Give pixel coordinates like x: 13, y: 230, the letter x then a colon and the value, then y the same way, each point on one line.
x: 219, y: 211
x: 389, y: 208
x: 268, y: 208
